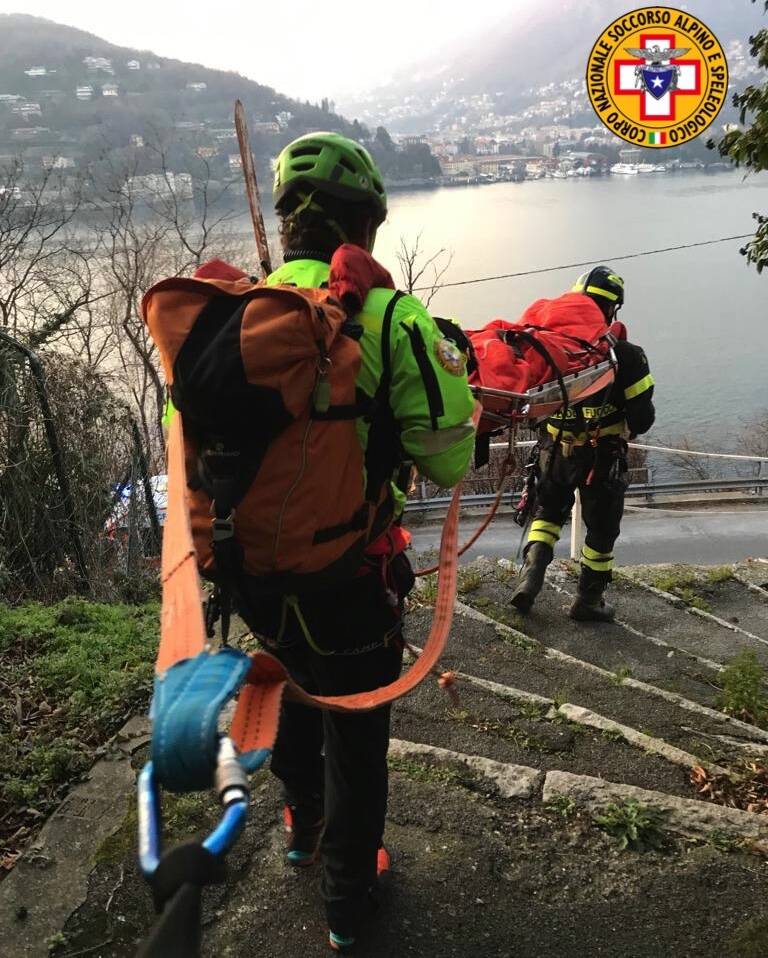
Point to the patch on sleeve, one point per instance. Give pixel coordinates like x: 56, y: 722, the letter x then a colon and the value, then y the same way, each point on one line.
x: 450, y: 357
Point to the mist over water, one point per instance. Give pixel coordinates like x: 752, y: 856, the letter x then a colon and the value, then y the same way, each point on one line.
x: 700, y: 314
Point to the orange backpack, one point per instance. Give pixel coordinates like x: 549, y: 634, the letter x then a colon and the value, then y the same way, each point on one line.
x: 265, y: 380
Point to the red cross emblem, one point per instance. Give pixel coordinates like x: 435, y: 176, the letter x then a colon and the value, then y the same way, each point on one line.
x: 625, y: 79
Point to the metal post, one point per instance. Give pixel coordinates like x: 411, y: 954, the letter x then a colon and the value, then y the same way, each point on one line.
x: 576, y: 527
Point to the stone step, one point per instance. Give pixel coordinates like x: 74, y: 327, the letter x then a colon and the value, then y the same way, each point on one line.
x: 481, y: 647
x: 622, y: 647
x: 739, y: 608
x: 492, y: 726
x: 474, y: 873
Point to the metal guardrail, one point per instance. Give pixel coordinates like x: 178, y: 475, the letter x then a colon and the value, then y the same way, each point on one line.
x: 640, y: 490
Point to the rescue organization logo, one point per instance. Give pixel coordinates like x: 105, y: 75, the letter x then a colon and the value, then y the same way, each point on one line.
x: 657, y: 77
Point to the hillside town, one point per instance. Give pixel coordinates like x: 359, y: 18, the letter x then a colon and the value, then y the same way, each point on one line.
x: 470, y: 139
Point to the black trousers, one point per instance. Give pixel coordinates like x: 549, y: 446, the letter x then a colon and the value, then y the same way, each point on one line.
x: 333, y: 763
x: 600, y: 475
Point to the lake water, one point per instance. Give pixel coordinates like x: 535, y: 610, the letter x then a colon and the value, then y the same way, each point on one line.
x: 700, y: 314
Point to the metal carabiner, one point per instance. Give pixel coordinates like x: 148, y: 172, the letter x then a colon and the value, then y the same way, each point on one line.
x: 233, y: 792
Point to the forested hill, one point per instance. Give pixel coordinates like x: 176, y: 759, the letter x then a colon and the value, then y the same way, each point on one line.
x: 68, y: 93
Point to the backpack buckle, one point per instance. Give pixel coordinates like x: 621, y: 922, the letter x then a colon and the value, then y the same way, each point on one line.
x: 223, y: 529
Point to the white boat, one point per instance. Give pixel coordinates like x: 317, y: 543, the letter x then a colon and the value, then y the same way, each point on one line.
x: 625, y: 169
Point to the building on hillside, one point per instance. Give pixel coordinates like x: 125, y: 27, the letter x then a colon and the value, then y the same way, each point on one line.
x: 224, y: 133
x: 133, y: 64
x: 58, y: 162
x: 30, y: 132
x: 182, y: 185
x: 235, y: 162
x: 207, y: 152
x: 284, y: 118
x: 84, y: 92
x: 632, y: 154
x: 197, y: 86
x: 8, y: 99
x: 110, y: 89
x: 413, y: 140
x: 98, y: 65
x: 189, y: 125
x: 38, y: 71
x: 27, y: 109
x: 137, y: 141
x: 264, y: 126
x: 156, y: 185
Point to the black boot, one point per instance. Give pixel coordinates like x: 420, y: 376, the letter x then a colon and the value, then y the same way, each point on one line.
x: 589, y: 604
x: 538, y: 555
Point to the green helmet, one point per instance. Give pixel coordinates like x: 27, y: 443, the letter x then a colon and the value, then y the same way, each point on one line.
x: 601, y: 284
x: 333, y: 164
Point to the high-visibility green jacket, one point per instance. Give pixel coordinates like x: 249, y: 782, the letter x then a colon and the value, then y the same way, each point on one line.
x: 429, y: 398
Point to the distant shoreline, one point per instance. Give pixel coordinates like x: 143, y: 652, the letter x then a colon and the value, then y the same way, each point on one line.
x: 419, y: 184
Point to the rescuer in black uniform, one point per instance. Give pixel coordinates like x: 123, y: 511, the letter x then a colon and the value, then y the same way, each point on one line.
x: 587, y: 451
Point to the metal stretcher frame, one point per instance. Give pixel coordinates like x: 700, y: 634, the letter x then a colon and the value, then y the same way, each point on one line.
x: 501, y: 406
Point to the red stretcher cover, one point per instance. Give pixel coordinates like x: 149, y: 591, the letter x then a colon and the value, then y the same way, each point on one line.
x: 571, y: 329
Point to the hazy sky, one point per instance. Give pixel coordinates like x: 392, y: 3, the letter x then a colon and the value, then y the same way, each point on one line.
x: 304, y: 48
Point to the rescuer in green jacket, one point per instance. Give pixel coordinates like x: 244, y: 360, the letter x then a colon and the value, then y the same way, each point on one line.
x: 333, y: 767
x: 586, y: 450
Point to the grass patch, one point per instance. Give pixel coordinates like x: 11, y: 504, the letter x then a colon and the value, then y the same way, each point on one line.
x: 721, y: 841
x: 632, y: 824
x: 621, y: 674
x: 424, y: 772
x: 743, y: 690
x: 520, y: 738
x: 718, y: 574
x: 562, y: 805
x: 56, y: 942
x: 469, y: 580
x: 686, y: 582
x: 428, y: 591
x: 674, y: 578
x: 613, y: 735
x: 504, y: 571
x: 693, y: 599
x: 532, y: 711
x: 508, y: 618
x: 71, y: 674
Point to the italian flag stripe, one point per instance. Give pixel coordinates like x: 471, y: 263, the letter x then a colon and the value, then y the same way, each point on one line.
x: 656, y: 139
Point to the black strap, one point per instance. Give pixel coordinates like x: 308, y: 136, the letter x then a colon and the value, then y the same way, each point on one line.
x: 584, y: 343
x: 542, y: 350
x: 357, y: 523
x: 362, y: 406
x: 386, y: 347
x: 428, y: 374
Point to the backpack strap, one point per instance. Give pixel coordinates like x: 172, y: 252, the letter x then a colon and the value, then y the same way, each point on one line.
x: 383, y: 444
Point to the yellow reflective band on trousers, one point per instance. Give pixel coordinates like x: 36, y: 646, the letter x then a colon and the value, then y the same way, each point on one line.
x: 543, y: 531
x: 639, y: 387
x: 597, y: 561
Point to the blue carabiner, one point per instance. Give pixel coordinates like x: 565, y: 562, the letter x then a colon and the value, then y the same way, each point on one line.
x: 232, y: 788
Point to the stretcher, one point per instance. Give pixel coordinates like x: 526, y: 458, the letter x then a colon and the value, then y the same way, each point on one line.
x: 503, y: 408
